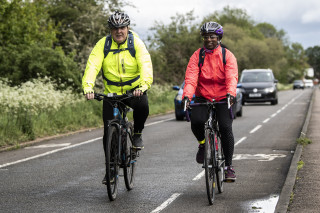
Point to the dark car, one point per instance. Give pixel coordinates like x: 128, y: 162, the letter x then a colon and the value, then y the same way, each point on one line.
x: 180, y: 114
x: 258, y: 85
x: 298, y: 84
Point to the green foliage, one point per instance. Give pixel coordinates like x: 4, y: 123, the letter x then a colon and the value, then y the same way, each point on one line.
x: 25, y: 22
x: 36, y: 109
x: 254, y: 45
x: 303, y: 141
x: 172, y: 47
x: 27, y: 36
x: 300, y: 164
x: 26, y: 62
x: 81, y: 24
x: 313, y: 54
x: 297, y: 60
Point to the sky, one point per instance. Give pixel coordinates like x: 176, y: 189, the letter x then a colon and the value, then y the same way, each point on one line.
x: 299, y: 19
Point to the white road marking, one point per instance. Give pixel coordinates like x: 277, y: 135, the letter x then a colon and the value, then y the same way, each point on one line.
x: 265, y: 121
x: 255, y: 129
x: 67, y: 147
x: 259, y: 157
x: 48, y: 153
x: 239, y: 141
x: 166, y: 203
x: 169, y: 119
x: 199, y: 176
x: 48, y: 145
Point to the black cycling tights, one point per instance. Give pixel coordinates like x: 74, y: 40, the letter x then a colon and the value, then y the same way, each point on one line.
x: 200, y: 115
x: 140, y: 108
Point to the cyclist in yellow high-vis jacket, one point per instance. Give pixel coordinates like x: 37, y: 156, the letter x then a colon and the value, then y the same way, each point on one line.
x: 121, y: 72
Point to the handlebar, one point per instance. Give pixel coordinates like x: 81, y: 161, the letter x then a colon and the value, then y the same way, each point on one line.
x: 112, y: 96
x: 208, y: 103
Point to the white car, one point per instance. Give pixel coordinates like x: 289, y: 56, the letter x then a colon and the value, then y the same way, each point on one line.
x: 308, y: 83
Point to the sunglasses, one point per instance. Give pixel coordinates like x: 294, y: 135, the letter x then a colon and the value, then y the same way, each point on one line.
x: 206, y: 37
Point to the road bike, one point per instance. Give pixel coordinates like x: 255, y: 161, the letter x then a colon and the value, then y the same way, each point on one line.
x: 214, y: 161
x: 118, y: 142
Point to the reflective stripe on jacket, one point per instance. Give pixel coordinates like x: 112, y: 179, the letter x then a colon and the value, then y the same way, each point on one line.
x: 215, y: 79
x: 119, y: 67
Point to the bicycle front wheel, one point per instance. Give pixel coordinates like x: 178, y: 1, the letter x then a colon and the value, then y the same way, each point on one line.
x: 112, y: 167
x: 220, y: 162
x: 129, y: 162
x: 209, y: 165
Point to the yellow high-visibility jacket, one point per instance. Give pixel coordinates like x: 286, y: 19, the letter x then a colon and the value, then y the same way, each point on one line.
x: 119, y: 67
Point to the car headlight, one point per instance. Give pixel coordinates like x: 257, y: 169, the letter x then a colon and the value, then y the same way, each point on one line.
x: 179, y: 98
x: 269, y: 90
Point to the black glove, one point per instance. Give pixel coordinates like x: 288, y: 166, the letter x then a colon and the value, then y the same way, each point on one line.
x: 185, y: 102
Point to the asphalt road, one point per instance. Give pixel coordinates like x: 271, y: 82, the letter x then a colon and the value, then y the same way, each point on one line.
x: 64, y: 175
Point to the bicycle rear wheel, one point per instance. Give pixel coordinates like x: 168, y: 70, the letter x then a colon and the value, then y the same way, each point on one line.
x: 112, y: 167
x: 220, y: 162
x: 129, y: 162
x: 209, y: 164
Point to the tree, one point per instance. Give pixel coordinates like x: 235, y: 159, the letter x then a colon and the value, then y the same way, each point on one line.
x: 172, y: 46
x: 313, y: 54
x: 81, y: 24
x: 27, y: 37
x: 297, y: 60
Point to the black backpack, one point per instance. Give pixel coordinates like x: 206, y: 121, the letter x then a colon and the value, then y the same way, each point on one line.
x: 202, y: 56
x: 107, y: 46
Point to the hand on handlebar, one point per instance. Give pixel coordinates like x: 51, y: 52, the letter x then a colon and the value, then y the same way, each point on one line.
x: 89, y: 96
x: 185, y: 103
x: 137, y: 93
x: 232, y: 100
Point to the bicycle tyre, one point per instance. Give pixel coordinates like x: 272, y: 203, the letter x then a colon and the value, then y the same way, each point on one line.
x: 209, y: 162
x: 220, y: 163
x: 112, y: 167
x: 129, y: 162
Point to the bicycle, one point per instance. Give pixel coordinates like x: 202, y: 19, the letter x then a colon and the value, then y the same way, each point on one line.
x: 214, y: 161
x: 118, y: 142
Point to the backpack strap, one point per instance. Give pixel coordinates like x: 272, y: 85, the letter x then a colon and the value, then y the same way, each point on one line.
x: 223, y: 55
x: 202, y: 55
x: 108, y: 43
x: 131, y: 44
x: 201, y: 58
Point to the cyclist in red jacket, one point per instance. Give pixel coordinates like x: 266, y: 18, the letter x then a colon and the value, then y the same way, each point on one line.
x: 212, y: 80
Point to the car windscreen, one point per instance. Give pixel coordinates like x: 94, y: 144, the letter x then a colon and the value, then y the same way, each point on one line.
x: 256, y: 77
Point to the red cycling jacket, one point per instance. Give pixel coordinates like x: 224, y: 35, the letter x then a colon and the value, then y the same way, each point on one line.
x: 215, y: 79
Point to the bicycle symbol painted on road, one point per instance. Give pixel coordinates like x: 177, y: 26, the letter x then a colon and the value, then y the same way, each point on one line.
x: 259, y: 157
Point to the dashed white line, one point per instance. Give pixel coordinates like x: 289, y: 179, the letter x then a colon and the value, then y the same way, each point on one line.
x: 255, y: 129
x: 166, y: 203
x: 239, y: 141
x: 199, y: 176
x: 265, y: 121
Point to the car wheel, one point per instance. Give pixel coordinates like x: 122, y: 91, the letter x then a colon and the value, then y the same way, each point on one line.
x: 275, y: 102
x: 239, y: 114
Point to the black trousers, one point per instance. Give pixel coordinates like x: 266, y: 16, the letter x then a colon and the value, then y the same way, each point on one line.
x: 200, y: 115
x: 140, y: 108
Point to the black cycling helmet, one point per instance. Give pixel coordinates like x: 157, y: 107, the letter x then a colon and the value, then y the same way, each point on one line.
x: 212, y: 27
x: 118, y: 19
